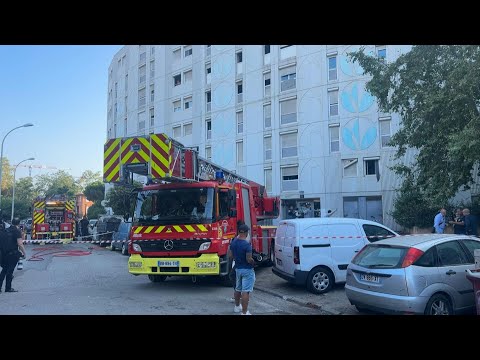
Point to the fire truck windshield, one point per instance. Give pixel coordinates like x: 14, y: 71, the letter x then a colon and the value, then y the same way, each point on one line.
x: 175, y: 206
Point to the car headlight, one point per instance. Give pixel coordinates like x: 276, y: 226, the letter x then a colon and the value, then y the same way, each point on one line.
x: 137, y: 247
x: 205, y: 246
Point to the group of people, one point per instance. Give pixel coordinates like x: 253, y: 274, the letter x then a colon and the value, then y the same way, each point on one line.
x: 11, y: 250
x: 463, y: 223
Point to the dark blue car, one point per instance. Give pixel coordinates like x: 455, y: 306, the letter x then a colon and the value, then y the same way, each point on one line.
x: 120, y: 237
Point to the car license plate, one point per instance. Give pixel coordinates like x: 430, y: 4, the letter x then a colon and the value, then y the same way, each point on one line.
x: 370, y: 278
x: 169, y: 263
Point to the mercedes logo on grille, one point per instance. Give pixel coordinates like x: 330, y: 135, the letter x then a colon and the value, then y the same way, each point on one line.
x: 168, y: 245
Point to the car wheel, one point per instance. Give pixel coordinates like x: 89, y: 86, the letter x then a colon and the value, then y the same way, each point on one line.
x: 320, y: 280
x: 157, y: 278
x: 112, y: 246
x: 439, y: 305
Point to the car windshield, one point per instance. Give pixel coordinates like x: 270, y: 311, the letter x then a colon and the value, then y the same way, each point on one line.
x: 382, y: 256
x: 175, y: 206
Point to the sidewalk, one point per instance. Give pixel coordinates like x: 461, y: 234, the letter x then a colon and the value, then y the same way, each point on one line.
x: 334, y: 302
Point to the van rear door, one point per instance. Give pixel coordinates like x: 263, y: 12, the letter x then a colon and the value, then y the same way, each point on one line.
x: 290, y: 242
x: 279, y: 245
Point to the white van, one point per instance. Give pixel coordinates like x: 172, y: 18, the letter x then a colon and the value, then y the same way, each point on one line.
x: 315, y: 252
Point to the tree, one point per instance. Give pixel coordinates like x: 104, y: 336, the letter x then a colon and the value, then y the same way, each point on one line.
x: 121, y: 198
x: 60, y: 183
x: 436, y: 91
x: 95, y: 191
x: 95, y: 211
x: 7, y: 176
x: 89, y: 177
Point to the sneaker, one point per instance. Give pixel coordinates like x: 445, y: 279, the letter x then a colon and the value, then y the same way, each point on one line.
x: 247, y: 313
x: 237, y: 309
x: 11, y: 290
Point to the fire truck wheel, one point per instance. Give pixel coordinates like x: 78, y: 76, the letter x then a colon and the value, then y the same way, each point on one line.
x: 157, y: 278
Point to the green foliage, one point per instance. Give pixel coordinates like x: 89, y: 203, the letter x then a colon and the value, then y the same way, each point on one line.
x: 59, y: 183
x: 95, y: 211
x: 89, y: 177
x: 95, y: 191
x: 122, y: 198
x: 7, y: 176
x: 436, y: 91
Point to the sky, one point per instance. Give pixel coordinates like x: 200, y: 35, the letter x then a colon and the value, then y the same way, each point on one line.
x: 62, y: 90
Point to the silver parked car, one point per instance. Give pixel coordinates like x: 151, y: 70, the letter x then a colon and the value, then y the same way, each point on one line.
x: 416, y: 274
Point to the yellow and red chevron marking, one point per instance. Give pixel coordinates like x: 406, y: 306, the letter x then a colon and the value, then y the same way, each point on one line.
x: 128, y: 156
x: 111, y: 160
x: 70, y: 205
x: 39, y: 204
x: 38, y: 218
x: 166, y: 229
x: 160, y: 155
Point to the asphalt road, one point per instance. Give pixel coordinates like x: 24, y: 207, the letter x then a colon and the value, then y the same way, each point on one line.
x: 90, y: 280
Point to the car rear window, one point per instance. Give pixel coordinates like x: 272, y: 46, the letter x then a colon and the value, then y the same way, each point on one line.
x: 381, y: 256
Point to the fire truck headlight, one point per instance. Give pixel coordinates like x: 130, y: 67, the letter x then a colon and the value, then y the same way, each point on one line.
x: 137, y: 247
x: 205, y: 246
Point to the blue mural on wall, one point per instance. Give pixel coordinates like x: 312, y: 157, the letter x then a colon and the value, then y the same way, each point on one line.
x: 358, y: 135
x: 222, y: 95
x: 355, y: 99
x: 350, y: 68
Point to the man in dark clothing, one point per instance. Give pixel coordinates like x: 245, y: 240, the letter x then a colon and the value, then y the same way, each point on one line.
x: 11, y: 243
x: 241, y: 251
x: 84, y: 226
x: 470, y: 223
x: 458, y: 223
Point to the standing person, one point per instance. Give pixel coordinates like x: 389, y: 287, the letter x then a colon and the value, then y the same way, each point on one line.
x: 233, y: 272
x: 458, y: 222
x: 84, y: 226
x: 241, y: 251
x: 439, y: 221
x: 470, y: 223
x: 11, y: 242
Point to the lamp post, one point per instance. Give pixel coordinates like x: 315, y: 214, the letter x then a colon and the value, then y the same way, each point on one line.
x: 13, y: 195
x: 1, y: 157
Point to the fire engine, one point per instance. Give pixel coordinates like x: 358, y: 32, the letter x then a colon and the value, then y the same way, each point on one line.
x: 53, y: 218
x: 188, y: 211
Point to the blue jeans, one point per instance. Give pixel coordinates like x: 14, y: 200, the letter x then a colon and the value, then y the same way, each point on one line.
x: 245, y: 280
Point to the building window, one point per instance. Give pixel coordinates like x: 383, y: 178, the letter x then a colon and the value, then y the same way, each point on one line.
x: 289, y: 145
x: 349, y: 167
x: 371, y: 167
x: 381, y: 52
x: 142, y: 117
x: 142, y: 74
x: 208, y: 125
x: 208, y: 98
x: 333, y: 102
x: 142, y: 97
x: 267, y: 116
x: 334, y: 138
x: 152, y: 69
x: 332, y: 68
x: 385, y: 131
x: 187, y: 102
x: 177, y: 55
x: 208, y: 50
x: 266, y: 49
x: 287, y: 51
x: 177, y: 132
x: 239, y: 85
x: 266, y: 54
x: 126, y: 83
x: 116, y: 90
x: 239, y: 61
x: 177, y: 105
x: 268, y: 180
x: 152, y: 117
x: 152, y: 93
x: 239, y: 152
x: 177, y: 80
x: 239, y: 122
x: 143, y: 54
x: 152, y: 51
x: 208, y: 152
x: 267, y: 148
x: 187, y: 77
x: 266, y: 84
x: 187, y: 129
x: 208, y: 73
x: 288, y: 110
x: 288, y: 78
x: 290, y: 178
x: 187, y: 51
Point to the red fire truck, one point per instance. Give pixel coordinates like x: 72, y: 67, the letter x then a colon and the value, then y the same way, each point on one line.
x: 187, y: 213
x: 53, y: 218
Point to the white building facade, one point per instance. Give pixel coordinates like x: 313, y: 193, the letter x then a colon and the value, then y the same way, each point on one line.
x: 295, y: 118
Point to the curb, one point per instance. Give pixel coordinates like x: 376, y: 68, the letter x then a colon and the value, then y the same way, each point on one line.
x: 298, y: 301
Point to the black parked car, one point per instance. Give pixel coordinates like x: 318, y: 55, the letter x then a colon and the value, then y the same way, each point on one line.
x: 105, y: 227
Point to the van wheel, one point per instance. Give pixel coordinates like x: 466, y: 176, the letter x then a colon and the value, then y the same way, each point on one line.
x: 157, y: 278
x: 320, y: 280
x: 439, y: 305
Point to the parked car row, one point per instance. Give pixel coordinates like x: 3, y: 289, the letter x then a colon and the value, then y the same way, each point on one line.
x: 383, y: 271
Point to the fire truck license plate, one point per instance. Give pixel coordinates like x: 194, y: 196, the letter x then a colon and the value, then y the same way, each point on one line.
x: 169, y: 263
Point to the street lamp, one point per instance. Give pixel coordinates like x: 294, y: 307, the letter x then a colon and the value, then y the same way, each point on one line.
x: 13, y: 195
x: 1, y: 157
